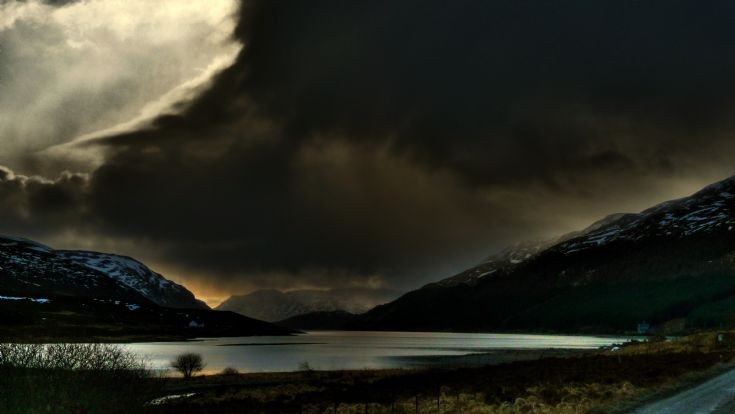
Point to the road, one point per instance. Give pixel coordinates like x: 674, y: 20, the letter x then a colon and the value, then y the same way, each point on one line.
x: 714, y: 396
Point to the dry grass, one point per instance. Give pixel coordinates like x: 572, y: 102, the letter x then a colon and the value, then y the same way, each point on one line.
x: 575, y: 399
x: 584, y: 384
x: 704, y: 342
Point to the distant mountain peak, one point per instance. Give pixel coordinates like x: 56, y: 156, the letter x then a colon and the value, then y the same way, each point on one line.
x: 274, y: 305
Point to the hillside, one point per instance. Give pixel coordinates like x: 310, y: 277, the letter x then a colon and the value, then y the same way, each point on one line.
x: 672, y: 265
x: 75, y: 319
x: 28, y: 268
x: 80, y: 295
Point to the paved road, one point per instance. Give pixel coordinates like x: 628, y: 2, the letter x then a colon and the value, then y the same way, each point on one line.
x: 714, y: 396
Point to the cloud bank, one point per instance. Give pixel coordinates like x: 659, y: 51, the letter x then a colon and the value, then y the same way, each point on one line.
x: 390, y: 144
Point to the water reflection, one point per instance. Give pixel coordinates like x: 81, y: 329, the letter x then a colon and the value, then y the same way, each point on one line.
x: 350, y: 350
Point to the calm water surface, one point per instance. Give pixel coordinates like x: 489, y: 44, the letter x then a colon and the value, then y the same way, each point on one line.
x: 350, y: 350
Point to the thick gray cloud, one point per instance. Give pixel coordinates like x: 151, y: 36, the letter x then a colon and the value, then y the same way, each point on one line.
x: 383, y: 143
x: 45, y: 205
x: 68, y: 69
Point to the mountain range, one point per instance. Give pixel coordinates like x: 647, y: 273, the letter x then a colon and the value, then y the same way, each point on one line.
x: 672, y: 265
x: 273, y: 305
x: 82, y: 294
x: 31, y: 268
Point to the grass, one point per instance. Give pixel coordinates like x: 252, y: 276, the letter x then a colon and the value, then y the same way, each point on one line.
x: 582, y: 384
x: 722, y: 342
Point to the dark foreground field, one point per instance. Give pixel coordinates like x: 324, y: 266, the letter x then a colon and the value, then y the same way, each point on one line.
x: 103, y: 379
x: 597, y: 383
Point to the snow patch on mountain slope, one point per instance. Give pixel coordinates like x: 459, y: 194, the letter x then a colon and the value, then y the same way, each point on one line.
x: 27, y: 266
x: 128, y: 271
x: 135, y: 275
x: 506, y: 258
x: 10, y: 241
x: 36, y: 300
x: 711, y: 209
x: 708, y: 211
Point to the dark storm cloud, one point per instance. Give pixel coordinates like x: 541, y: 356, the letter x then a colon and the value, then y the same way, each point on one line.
x: 407, y: 139
x: 41, y: 203
x: 465, y: 84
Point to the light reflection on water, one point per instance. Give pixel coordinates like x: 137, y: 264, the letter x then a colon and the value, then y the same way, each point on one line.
x: 350, y: 350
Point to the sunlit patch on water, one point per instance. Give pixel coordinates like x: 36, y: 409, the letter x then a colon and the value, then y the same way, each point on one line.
x: 351, y: 350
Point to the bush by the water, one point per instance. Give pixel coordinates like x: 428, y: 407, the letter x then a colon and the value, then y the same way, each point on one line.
x: 188, y: 364
x: 230, y: 371
x: 72, y: 378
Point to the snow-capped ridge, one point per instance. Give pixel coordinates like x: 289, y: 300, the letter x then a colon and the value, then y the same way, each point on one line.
x: 135, y: 275
x: 502, y: 260
x: 709, y: 210
x: 29, y: 266
x: 21, y: 241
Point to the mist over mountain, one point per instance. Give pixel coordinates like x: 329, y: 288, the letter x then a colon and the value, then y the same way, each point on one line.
x: 318, y: 321
x: 273, y: 305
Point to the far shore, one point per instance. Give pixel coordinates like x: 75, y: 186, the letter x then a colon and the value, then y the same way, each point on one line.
x: 8, y: 336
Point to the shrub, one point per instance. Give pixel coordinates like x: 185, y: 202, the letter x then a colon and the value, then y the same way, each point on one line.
x: 83, y: 357
x: 72, y: 378
x: 230, y: 371
x: 188, y: 364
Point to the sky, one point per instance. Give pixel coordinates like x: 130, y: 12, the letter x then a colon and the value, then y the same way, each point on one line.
x: 239, y: 145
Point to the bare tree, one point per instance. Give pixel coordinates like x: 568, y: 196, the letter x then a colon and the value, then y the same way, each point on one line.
x: 188, y: 364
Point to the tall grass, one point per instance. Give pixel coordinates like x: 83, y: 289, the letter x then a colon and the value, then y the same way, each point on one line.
x: 72, y: 378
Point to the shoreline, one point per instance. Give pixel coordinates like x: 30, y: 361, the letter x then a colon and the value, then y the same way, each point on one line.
x: 26, y: 337
x: 492, y: 357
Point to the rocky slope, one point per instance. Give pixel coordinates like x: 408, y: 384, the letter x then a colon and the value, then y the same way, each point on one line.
x: 672, y: 265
